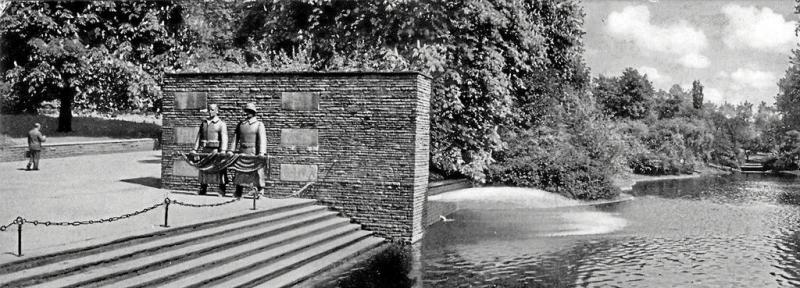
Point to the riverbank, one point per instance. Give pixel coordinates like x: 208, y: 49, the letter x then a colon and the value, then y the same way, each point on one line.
x: 625, y: 181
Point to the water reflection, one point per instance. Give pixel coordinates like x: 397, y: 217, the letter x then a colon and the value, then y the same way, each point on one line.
x: 731, y: 231
x: 393, y: 267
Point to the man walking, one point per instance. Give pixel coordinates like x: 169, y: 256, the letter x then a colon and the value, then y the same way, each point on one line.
x: 212, y: 138
x: 251, y: 136
x: 35, y: 139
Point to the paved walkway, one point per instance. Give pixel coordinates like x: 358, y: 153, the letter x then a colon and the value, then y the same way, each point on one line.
x: 94, y: 187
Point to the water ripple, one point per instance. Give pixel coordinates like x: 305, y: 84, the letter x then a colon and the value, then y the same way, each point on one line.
x: 740, y: 231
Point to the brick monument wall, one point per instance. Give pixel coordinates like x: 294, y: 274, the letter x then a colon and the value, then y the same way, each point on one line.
x: 363, y: 137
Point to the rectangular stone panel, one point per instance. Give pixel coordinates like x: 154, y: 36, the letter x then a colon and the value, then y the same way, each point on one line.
x: 190, y: 100
x: 185, y: 135
x: 299, y: 137
x: 181, y: 168
x: 300, y: 101
x: 295, y: 172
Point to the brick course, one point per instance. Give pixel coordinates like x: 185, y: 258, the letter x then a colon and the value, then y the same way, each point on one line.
x: 373, y: 126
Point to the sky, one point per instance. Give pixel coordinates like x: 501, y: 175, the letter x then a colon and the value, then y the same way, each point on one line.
x: 737, y: 49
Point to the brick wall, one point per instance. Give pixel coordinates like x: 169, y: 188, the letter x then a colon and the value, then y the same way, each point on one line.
x: 58, y: 150
x: 373, y: 126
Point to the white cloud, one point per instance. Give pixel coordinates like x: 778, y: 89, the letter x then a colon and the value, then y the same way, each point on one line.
x: 694, y: 60
x: 662, y: 81
x: 679, y: 40
x: 713, y: 95
x: 743, y: 78
x: 760, y: 29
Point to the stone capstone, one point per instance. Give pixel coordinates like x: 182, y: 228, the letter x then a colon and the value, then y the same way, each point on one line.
x: 190, y: 100
x: 181, y: 168
x: 295, y: 172
x: 299, y: 101
x: 185, y: 135
x: 299, y: 137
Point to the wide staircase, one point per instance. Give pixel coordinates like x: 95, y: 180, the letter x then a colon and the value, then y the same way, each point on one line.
x: 279, y: 247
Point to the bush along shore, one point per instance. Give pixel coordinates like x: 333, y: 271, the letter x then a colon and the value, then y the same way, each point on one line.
x: 626, y: 181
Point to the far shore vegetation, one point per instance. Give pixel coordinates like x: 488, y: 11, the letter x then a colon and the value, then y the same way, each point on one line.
x: 513, y: 101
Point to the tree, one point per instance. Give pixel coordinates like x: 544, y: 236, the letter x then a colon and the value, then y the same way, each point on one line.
x: 788, y: 98
x: 671, y: 104
x: 766, y: 124
x: 632, y: 98
x: 697, y: 95
x: 102, y: 56
x: 496, y: 65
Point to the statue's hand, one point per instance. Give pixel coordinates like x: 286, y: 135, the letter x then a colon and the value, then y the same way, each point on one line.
x: 229, y: 152
x: 193, y: 152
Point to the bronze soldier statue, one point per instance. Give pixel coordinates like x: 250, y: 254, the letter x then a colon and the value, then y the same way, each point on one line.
x: 251, y: 136
x: 212, y: 138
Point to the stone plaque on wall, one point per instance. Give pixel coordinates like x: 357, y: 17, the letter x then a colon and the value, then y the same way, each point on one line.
x: 300, y: 101
x: 181, y: 168
x: 190, y: 100
x: 299, y: 137
x: 185, y: 135
x: 295, y: 172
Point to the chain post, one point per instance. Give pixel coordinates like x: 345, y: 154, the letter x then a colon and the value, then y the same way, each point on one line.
x: 166, y: 213
x: 255, y: 197
x: 19, y: 236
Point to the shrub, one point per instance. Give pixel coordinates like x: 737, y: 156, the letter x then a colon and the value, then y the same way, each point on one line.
x: 782, y: 163
x: 651, y: 164
x: 548, y: 163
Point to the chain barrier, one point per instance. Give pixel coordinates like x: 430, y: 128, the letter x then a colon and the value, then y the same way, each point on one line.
x: 87, y: 222
x: 17, y: 221
x: 181, y: 203
x: 167, y: 201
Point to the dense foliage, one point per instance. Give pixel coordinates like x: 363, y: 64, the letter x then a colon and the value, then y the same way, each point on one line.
x: 673, y: 132
x: 625, y: 97
x: 93, y: 55
x: 512, y: 99
x: 549, y: 161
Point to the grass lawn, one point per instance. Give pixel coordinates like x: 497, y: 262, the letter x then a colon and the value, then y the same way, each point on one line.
x: 14, y: 128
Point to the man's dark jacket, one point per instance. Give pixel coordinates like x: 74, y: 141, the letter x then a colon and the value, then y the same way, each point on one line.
x: 35, y: 139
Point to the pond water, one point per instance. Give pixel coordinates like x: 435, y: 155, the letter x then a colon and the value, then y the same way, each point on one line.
x: 724, y: 231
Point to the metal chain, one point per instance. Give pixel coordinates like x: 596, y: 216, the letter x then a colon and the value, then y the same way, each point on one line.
x: 17, y: 221
x: 167, y: 201
x: 86, y: 222
x: 176, y: 202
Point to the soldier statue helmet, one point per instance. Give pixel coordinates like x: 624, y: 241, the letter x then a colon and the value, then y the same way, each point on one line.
x: 250, y: 135
x: 212, y: 137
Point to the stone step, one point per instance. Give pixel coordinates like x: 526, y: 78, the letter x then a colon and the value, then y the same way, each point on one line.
x: 308, y: 270
x: 269, y: 262
x: 212, y: 261
x: 81, y: 251
x: 67, y: 267
x: 219, y: 251
x: 207, y: 271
